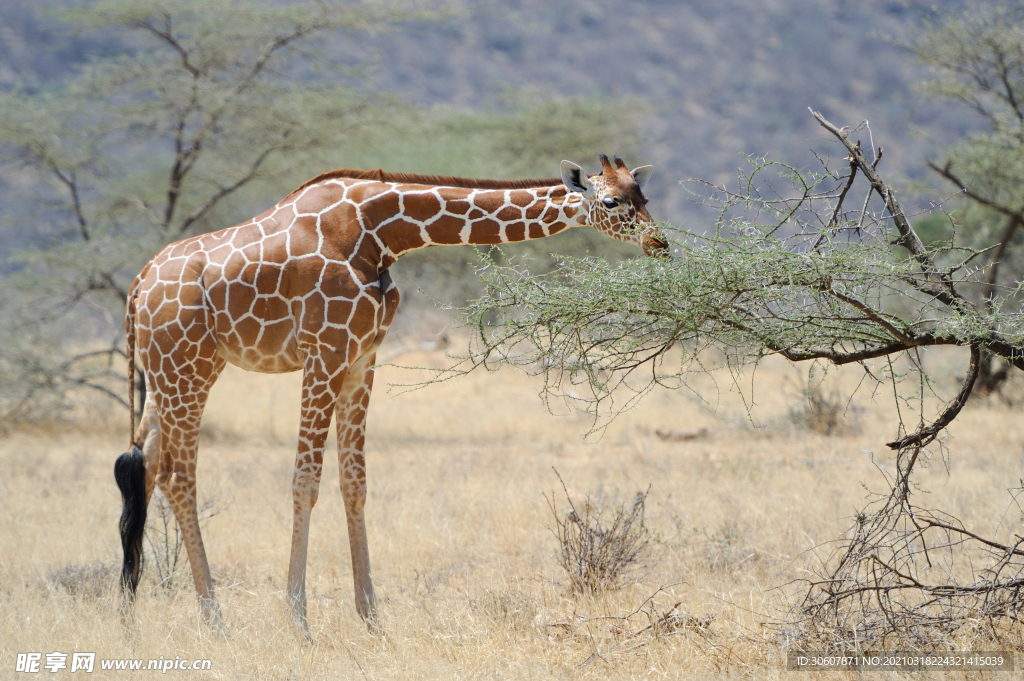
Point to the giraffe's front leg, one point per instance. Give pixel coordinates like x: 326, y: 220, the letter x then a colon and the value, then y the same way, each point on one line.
x: 321, y: 382
x: 351, y: 424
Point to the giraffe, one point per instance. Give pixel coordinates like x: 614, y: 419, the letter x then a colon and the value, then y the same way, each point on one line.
x: 305, y: 287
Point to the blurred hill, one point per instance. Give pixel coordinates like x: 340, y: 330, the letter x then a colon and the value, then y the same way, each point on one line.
x: 707, y: 80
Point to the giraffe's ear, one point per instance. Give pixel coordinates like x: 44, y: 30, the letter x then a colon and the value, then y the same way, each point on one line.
x: 575, y: 179
x: 642, y: 174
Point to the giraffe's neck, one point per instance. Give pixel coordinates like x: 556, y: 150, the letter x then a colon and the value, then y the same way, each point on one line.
x: 407, y: 218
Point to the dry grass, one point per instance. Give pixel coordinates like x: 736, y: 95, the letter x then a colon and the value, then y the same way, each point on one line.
x: 465, y: 568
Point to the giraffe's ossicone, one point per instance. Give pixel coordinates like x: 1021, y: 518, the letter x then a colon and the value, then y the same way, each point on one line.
x: 305, y: 286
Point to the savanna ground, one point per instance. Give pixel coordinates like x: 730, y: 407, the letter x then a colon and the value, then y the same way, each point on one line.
x: 464, y: 563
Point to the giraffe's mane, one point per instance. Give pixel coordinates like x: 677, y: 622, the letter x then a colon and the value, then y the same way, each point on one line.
x: 431, y: 180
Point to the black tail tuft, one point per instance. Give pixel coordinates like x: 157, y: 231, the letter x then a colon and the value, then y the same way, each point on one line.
x: 130, y: 474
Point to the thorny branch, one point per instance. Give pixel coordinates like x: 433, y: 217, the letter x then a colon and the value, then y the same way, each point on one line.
x: 937, y: 283
x: 926, y: 434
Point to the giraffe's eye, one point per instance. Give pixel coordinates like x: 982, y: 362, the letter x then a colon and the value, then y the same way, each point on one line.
x: 609, y: 202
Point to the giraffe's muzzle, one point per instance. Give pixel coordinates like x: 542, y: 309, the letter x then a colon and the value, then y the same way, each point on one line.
x: 654, y: 244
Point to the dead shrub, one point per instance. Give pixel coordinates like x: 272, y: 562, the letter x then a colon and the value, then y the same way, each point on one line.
x: 905, y: 577
x: 822, y: 411
x: 603, y: 548
x: 166, y: 543
x: 93, y: 581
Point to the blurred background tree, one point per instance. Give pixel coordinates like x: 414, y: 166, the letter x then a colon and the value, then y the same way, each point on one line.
x: 181, y: 118
x: 154, y: 142
x: 978, y: 57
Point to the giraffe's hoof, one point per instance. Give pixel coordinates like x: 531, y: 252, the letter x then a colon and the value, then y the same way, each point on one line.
x: 366, y: 603
x: 220, y: 628
x: 372, y: 620
x: 302, y: 627
x: 210, y: 610
x: 298, y: 609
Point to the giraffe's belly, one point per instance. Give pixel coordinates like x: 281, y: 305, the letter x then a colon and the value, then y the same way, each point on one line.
x: 254, y: 325
x: 274, y: 334
x: 270, y: 349
x: 281, y: 363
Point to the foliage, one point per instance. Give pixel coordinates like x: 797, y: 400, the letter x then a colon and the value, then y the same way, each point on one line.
x: 538, y: 133
x: 979, y: 60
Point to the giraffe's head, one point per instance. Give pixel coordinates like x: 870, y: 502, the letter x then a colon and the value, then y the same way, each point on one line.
x: 614, y: 202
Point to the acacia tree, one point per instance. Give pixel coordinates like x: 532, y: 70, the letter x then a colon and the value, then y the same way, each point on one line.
x: 978, y: 56
x: 132, y: 151
x: 790, y: 269
x: 774, y: 279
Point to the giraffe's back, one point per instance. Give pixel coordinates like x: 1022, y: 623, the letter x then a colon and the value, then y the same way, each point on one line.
x: 264, y: 293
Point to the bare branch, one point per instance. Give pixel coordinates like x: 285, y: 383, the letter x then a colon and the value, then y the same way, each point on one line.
x: 69, y: 180
x: 947, y: 172
x: 939, y: 284
x: 988, y: 542
x: 199, y: 212
x: 834, y: 220
x: 928, y: 433
x: 166, y: 34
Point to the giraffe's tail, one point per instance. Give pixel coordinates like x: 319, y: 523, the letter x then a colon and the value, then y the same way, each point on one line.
x: 130, y: 474
x: 130, y: 471
x: 129, y: 333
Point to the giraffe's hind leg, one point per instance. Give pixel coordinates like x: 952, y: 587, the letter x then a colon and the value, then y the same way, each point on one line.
x: 351, y: 424
x: 147, y: 436
x: 180, y: 397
